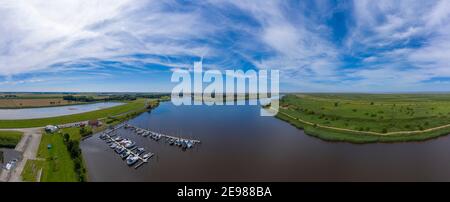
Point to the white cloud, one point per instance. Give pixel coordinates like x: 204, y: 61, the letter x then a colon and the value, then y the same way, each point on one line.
x: 36, y: 34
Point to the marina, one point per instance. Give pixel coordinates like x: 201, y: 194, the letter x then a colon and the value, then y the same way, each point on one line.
x: 183, y: 143
x: 126, y: 148
x: 130, y: 152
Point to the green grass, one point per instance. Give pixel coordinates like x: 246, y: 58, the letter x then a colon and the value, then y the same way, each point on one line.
x: 31, y: 170
x: 9, y: 139
x: 367, y: 113
x: 113, y: 111
x: 58, y: 165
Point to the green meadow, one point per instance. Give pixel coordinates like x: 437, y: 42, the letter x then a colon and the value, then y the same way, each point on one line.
x: 9, y: 139
x: 57, y: 164
x: 363, y: 118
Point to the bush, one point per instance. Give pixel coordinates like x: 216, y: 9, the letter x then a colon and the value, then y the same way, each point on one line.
x: 66, y: 137
x: 73, y: 146
x: 85, y: 132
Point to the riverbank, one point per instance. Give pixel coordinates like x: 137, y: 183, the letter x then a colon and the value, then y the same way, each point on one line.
x: 359, y: 118
x: 103, y: 113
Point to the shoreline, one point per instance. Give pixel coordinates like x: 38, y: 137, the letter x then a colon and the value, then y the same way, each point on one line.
x: 362, y: 119
x: 331, y: 135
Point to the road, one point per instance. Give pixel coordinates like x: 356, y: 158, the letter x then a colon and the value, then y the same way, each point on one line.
x: 28, y: 145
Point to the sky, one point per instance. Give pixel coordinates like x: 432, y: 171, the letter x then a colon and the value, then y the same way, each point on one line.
x: 318, y: 46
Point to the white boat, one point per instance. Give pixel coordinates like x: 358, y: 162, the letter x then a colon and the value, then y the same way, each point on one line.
x: 132, y: 159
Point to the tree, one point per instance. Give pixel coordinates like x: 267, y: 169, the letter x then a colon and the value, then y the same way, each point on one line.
x: 66, y: 137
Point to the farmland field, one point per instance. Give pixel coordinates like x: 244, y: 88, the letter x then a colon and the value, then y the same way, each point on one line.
x: 368, y: 117
x: 35, y: 102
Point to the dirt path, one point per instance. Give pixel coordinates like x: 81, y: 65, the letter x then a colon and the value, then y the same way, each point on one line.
x: 367, y: 132
x: 28, y: 145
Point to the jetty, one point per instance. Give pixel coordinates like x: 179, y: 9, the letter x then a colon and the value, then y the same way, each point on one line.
x: 109, y: 135
x: 143, y: 130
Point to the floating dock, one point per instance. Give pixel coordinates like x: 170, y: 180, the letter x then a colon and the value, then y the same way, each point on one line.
x: 109, y: 136
x: 160, y: 134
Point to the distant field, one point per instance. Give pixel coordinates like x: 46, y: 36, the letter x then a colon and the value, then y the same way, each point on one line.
x: 381, y: 117
x: 103, y: 113
x: 36, y: 102
x: 9, y: 139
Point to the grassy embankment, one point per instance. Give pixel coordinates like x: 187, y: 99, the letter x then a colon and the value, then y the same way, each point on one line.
x: 9, y: 139
x: 103, y: 113
x: 368, y: 118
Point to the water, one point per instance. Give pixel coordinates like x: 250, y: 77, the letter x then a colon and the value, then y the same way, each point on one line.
x: 45, y: 112
x: 239, y: 145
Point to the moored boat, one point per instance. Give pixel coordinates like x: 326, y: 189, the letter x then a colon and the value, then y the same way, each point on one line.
x: 132, y: 159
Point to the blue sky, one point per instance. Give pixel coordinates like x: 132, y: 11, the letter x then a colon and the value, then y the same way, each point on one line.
x: 318, y: 46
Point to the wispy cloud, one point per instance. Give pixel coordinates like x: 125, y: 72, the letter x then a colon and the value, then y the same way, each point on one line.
x: 317, y: 45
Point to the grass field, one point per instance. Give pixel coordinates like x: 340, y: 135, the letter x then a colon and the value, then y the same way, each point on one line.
x: 362, y: 118
x: 31, y: 170
x: 9, y: 139
x: 58, y: 166
x: 113, y: 111
x: 37, y: 102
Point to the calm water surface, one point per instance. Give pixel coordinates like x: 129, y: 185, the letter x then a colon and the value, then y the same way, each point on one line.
x: 45, y: 112
x: 239, y: 145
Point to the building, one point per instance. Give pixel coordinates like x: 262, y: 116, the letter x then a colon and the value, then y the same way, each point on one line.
x: 94, y: 123
x: 51, y: 128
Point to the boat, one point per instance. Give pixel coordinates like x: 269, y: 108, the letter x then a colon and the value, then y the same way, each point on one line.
x: 183, y: 144
x: 129, y: 144
x: 122, y: 142
x: 118, y: 138
x: 102, y: 136
x: 140, y: 150
x: 146, y: 134
x: 189, y: 144
x: 119, y: 149
x: 132, y: 148
x: 113, y: 145
x: 147, y: 156
x: 140, y: 132
x: 132, y: 159
x: 125, y: 154
x: 171, y: 141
